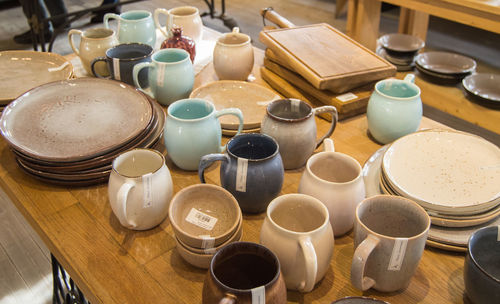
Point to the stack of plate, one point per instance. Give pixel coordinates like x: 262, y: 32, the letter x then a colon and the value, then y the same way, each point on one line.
x: 452, y: 175
x: 483, y: 88
x: 69, y: 132
x: 444, y: 67
x: 400, y: 50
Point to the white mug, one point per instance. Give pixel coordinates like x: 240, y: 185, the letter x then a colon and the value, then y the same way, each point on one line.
x: 233, y: 56
x: 140, y: 188
x: 187, y: 17
x: 336, y: 180
x: 298, y: 231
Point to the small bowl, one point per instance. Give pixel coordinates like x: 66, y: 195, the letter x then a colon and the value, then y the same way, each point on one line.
x: 401, y: 44
x: 212, y: 201
x: 484, y: 88
x: 446, y: 63
x: 482, y: 266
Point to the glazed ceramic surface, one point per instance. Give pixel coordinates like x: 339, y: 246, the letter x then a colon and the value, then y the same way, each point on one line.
x: 446, y: 63
x: 394, y: 109
x: 170, y: 75
x: 401, y: 43
x: 186, y: 17
x: 336, y: 180
x: 134, y: 26
x: 193, y: 130
x: 359, y: 300
x: 21, y: 71
x: 94, y: 43
x: 292, y: 123
x: 485, y: 86
x: 140, y: 189
x: 297, y: 229
x: 457, y: 236
x: 233, y: 56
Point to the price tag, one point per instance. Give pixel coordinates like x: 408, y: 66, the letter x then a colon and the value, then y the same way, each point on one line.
x: 498, y: 234
x: 147, y: 191
x: 346, y: 97
x: 201, y: 219
x: 259, y: 295
x: 207, y: 242
x: 398, y: 254
x: 241, y: 175
x: 160, y: 75
x: 116, y: 68
x: 295, y: 105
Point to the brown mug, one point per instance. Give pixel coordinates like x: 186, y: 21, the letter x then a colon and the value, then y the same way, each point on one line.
x: 244, y: 272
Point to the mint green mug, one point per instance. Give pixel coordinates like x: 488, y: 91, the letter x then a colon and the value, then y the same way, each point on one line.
x: 134, y: 26
x: 170, y: 75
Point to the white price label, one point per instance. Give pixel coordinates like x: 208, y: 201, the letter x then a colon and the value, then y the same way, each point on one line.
x: 498, y: 234
x: 398, y: 254
x: 116, y: 68
x: 207, y: 241
x: 147, y: 191
x: 160, y: 75
x: 346, y: 97
x: 295, y: 105
x: 259, y: 295
x: 241, y: 175
x: 201, y: 219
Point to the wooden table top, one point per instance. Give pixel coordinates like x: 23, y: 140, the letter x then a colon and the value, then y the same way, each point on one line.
x: 112, y: 264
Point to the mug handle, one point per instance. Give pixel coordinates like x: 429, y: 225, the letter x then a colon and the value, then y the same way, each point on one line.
x: 108, y: 16
x: 359, y: 259
x: 121, y: 197
x: 311, y: 264
x: 157, y: 13
x: 328, y: 145
x: 92, y: 64
x: 135, y: 74
x: 335, y: 118
x: 410, y: 78
x: 70, y: 38
x: 231, y: 111
x: 207, y: 160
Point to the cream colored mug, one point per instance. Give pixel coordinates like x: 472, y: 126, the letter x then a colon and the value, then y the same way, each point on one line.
x: 233, y: 56
x: 94, y: 43
x: 140, y: 188
x: 187, y: 17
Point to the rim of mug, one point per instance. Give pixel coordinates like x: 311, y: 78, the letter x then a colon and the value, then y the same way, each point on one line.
x: 237, y: 137
x: 274, y: 102
x: 248, y: 39
x: 392, y: 197
x: 477, y: 234
x: 176, y: 103
x: 399, y: 81
x: 122, y: 15
x: 121, y: 45
x: 196, y: 11
x: 277, y: 200
x: 135, y: 150
x: 95, y: 29
x: 241, y: 243
x: 345, y: 156
x: 170, y: 50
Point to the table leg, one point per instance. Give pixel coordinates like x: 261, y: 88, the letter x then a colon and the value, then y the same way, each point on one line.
x: 413, y: 23
x: 363, y: 20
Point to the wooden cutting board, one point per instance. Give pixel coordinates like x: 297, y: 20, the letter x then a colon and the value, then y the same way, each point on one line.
x: 346, y: 102
x: 326, y: 57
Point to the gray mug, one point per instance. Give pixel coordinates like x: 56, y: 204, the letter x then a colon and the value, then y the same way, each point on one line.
x: 121, y: 60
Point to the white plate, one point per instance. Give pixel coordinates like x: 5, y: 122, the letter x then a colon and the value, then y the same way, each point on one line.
x: 371, y: 172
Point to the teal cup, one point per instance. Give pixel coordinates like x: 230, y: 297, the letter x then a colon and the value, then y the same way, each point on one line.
x: 394, y: 109
x: 171, y: 75
x: 192, y: 130
x: 134, y: 26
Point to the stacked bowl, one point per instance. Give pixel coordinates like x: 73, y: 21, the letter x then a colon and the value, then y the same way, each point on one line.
x: 444, y: 67
x: 204, y: 218
x: 400, y: 50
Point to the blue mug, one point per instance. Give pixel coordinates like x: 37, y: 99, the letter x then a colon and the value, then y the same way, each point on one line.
x: 134, y: 26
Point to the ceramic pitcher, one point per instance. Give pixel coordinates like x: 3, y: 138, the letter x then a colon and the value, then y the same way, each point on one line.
x: 394, y: 109
x: 192, y: 129
x: 170, y: 75
x: 233, y: 56
x: 94, y: 43
x: 134, y: 26
x: 140, y: 188
x: 291, y: 122
x: 186, y: 17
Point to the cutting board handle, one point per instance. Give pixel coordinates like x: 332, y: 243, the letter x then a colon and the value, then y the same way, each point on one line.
x: 270, y: 14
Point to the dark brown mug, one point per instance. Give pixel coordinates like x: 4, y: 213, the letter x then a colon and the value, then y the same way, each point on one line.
x: 244, y: 272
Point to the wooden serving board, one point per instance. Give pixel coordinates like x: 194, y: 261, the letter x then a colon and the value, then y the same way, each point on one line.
x: 326, y: 57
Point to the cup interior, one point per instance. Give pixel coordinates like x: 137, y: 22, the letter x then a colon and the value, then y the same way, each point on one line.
x: 393, y: 216
x: 97, y: 33
x: 138, y: 162
x: 288, y: 109
x: 184, y: 11
x: 252, y: 146
x: 297, y: 214
x: 334, y: 167
x: 234, y: 39
x: 170, y: 55
x: 135, y: 15
x: 397, y: 88
x: 130, y: 51
x: 191, y: 109
x: 484, y: 249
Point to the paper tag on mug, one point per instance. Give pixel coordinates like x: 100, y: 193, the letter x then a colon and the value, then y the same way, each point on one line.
x: 398, y: 254
x: 116, y: 68
x: 295, y: 105
x: 498, y: 234
x: 160, y: 75
x: 147, y: 190
x: 201, y: 219
x: 207, y: 242
x: 241, y: 175
x: 346, y: 97
x: 259, y: 295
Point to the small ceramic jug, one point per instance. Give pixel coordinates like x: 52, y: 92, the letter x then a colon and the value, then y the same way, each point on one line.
x: 134, y: 26
x: 140, y: 188
x: 192, y: 129
x: 186, y: 17
x: 170, y: 75
x: 93, y: 43
x: 394, y: 109
x: 233, y: 56
x: 291, y: 122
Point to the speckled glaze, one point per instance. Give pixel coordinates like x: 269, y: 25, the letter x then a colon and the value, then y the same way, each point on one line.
x: 233, y: 56
x: 186, y: 17
x: 134, y: 26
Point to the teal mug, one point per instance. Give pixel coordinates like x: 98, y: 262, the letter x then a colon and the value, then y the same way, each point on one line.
x: 134, y: 26
x: 171, y: 75
x: 192, y: 130
x: 394, y: 109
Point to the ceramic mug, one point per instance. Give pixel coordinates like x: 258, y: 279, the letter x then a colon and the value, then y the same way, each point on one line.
x: 94, y: 43
x: 297, y: 229
x: 134, y: 26
x: 246, y: 273
x: 291, y: 122
x: 233, y: 56
x: 171, y: 75
x: 121, y: 60
x: 336, y: 180
x: 251, y: 170
x: 389, y: 239
x: 192, y: 129
x: 186, y: 17
x: 140, y: 188
x: 394, y: 109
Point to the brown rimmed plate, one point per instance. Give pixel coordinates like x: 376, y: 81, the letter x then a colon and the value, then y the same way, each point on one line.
x: 484, y: 87
x: 446, y: 63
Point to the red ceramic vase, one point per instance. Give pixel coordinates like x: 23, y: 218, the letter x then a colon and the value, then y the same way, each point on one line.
x: 180, y: 42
